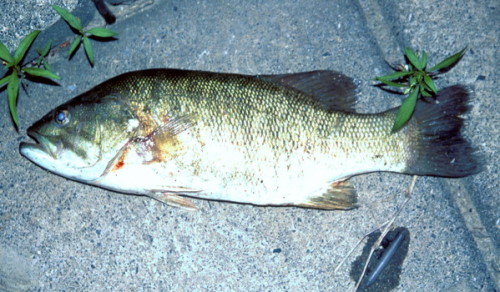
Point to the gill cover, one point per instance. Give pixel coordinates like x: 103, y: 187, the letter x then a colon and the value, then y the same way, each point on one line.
x: 77, y: 139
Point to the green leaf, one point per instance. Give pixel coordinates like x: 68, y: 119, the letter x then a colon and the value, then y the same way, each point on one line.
x: 419, y: 77
x: 41, y: 73
x: 423, y: 86
x: 424, y: 89
x: 46, y: 65
x: 74, y: 45
x: 88, y: 49
x: 423, y: 60
x: 69, y: 18
x: 414, y: 60
x: 405, y: 111
x: 425, y: 92
x: 448, y: 61
x: 101, y: 32
x: 5, y: 54
x: 46, y: 49
x: 412, y: 81
x: 428, y: 81
x: 24, y: 45
x: 393, y: 76
x: 391, y: 83
x: 12, y: 92
x: 5, y: 80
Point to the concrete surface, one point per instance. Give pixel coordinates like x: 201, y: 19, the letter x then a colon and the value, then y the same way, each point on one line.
x: 59, y: 235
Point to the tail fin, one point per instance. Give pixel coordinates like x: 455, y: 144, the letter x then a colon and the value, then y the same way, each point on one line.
x: 441, y: 150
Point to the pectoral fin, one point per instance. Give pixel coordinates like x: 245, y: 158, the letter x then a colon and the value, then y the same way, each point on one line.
x: 175, y: 200
x: 162, y: 143
x: 340, y: 195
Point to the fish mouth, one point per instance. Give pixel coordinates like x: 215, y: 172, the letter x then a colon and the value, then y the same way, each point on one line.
x: 41, y: 145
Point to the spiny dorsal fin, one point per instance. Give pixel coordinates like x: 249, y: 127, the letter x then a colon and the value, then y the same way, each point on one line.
x: 334, y: 90
x: 340, y: 195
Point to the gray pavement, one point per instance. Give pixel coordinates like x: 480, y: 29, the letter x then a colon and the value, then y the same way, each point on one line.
x: 59, y: 235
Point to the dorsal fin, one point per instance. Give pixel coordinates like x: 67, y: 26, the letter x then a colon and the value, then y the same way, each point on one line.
x: 334, y: 90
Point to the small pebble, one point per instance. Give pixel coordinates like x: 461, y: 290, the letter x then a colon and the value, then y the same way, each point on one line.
x: 72, y: 87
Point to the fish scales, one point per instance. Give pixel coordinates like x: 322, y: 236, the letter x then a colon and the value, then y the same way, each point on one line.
x: 246, y: 119
x: 265, y: 113
x: 265, y: 140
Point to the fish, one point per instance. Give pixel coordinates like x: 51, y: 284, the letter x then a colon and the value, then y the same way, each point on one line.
x: 267, y: 140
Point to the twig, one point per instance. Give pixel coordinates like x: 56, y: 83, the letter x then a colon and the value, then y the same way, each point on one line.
x: 355, y: 246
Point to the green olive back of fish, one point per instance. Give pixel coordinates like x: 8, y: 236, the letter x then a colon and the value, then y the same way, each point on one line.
x: 264, y: 140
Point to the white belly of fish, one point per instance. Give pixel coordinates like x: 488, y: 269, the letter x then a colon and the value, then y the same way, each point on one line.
x: 219, y: 172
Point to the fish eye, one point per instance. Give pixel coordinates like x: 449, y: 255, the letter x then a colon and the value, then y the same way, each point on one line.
x: 61, y: 117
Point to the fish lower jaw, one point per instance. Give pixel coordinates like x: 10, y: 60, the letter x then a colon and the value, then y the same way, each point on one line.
x: 61, y: 165
x: 34, y: 152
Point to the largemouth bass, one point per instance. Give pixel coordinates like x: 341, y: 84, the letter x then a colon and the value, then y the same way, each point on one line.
x: 288, y: 139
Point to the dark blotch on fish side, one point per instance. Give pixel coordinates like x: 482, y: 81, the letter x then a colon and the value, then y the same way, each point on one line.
x: 384, y: 269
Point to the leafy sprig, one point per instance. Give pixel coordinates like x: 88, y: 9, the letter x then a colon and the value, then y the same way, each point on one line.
x: 83, y: 35
x: 16, y: 71
x: 417, y: 81
x: 42, y: 53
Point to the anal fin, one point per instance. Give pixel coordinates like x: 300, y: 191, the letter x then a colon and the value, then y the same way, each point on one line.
x: 340, y: 195
x: 175, y: 200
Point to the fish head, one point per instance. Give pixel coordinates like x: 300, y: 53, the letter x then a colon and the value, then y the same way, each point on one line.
x: 79, y: 138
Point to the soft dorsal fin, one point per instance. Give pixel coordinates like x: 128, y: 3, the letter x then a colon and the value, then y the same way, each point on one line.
x: 334, y: 90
